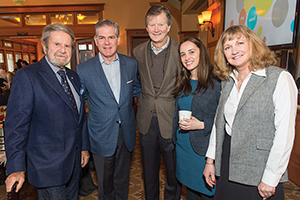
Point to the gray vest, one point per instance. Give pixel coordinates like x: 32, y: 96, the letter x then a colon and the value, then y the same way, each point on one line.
x: 253, y: 129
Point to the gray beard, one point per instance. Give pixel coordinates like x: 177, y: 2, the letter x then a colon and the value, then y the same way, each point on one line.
x: 57, y: 64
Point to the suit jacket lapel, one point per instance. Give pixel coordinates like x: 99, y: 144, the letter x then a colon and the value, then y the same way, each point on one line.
x: 49, y: 76
x: 254, y: 82
x: 99, y: 70
x: 147, y: 68
x: 225, y: 92
x: 252, y: 85
x: 122, y: 78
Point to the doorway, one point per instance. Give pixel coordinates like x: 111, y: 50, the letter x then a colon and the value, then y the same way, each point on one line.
x: 134, y: 38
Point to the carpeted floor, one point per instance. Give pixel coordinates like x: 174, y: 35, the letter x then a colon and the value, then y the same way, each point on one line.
x: 136, y: 192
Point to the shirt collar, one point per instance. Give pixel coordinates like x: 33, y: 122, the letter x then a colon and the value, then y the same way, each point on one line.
x: 162, y: 48
x: 259, y: 72
x: 102, y: 60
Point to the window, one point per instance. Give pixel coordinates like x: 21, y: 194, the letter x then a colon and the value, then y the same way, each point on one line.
x: 10, y: 61
x: 63, y: 18
x: 18, y: 55
x: 8, y: 44
x: 26, y: 57
x: 35, y: 19
x: 87, y: 18
x: 10, y: 20
x: 1, y: 57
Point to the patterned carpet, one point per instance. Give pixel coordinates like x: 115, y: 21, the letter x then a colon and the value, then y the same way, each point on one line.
x: 136, y: 192
x: 136, y: 186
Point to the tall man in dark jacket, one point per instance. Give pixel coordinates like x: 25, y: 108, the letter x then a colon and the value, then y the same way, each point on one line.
x: 157, y: 62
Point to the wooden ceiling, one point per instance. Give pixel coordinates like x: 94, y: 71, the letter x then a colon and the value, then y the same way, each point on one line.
x: 197, y: 6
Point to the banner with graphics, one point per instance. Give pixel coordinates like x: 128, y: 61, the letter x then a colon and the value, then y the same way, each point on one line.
x: 272, y: 20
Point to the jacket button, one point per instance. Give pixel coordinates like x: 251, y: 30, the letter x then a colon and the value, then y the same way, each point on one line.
x: 119, y: 108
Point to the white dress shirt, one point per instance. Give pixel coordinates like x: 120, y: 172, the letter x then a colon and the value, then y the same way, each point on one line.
x: 285, y: 102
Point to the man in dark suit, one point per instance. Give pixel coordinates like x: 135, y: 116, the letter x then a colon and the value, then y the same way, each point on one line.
x: 158, y: 61
x: 110, y: 81
x: 45, y: 128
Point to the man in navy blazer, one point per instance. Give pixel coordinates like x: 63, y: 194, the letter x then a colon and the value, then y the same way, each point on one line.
x: 110, y: 81
x: 45, y: 135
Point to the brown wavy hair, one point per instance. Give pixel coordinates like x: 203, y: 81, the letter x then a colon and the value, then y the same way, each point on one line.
x: 157, y: 10
x: 204, y: 71
x: 260, y: 54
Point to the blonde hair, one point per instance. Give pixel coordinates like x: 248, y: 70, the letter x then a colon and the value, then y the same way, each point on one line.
x: 260, y: 54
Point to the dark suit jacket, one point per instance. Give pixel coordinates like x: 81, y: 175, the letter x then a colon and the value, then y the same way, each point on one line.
x: 41, y: 126
x: 163, y: 100
x: 204, y: 106
x: 104, y: 111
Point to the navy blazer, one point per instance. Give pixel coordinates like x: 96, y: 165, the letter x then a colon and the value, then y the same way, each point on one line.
x: 41, y: 126
x: 104, y: 111
x: 204, y: 106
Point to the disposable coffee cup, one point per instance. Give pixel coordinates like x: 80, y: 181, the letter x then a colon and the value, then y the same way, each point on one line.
x: 184, y: 114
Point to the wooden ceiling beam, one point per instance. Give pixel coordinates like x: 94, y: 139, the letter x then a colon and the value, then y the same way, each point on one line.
x: 51, y: 8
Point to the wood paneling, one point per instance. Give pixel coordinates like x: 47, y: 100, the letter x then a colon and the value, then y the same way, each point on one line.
x: 19, y: 47
x: 217, y: 8
x: 132, y: 35
x: 297, y: 56
x: 294, y: 165
x: 52, y: 8
x: 183, y: 34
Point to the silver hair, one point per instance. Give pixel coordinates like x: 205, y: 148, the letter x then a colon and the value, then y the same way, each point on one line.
x: 56, y: 27
x: 106, y: 22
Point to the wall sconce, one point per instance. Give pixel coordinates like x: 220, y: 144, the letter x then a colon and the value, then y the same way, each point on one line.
x: 204, y: 21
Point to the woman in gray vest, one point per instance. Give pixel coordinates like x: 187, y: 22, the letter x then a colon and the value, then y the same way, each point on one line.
x: 198, y: 91
x: 254, y: 128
